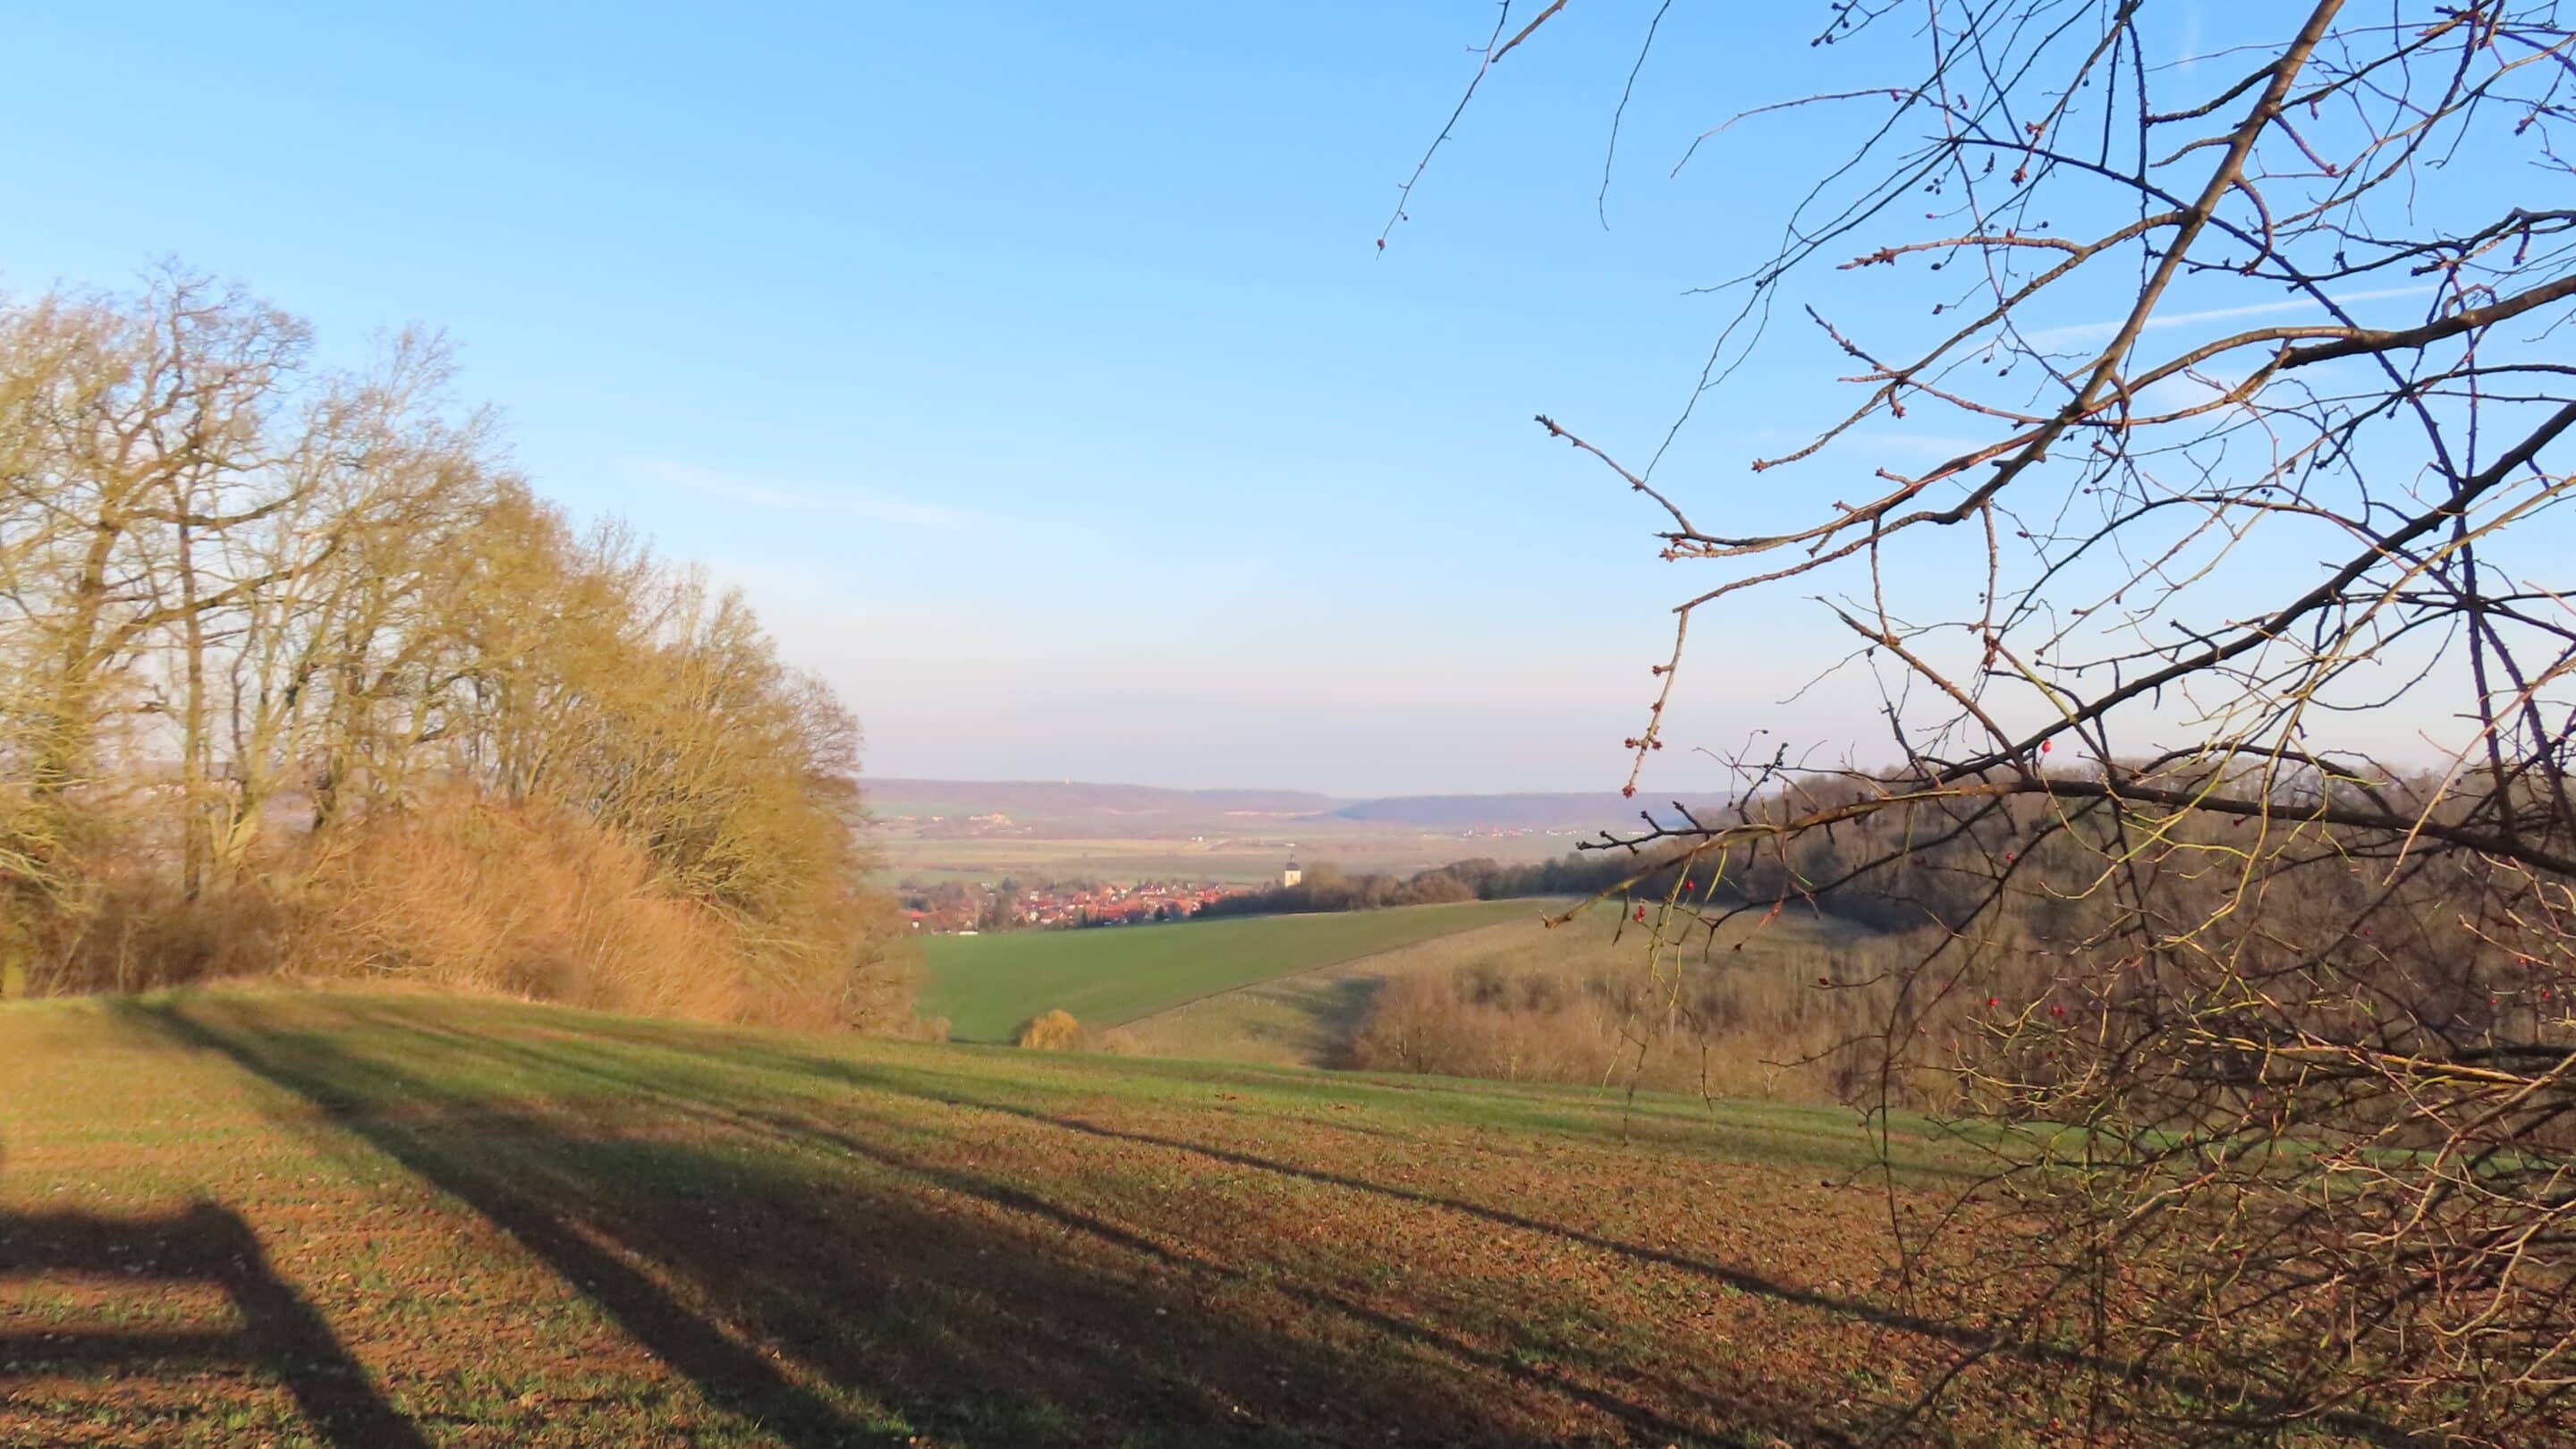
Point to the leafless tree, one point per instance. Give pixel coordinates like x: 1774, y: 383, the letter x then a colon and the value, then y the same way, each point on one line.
x: 2265, y: 1026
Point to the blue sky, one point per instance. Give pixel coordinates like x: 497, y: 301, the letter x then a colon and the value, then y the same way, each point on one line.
x: 1031, y: 365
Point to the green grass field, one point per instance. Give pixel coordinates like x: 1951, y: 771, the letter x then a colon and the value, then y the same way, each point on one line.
x: 988, y: 985
x: 293, y: 1219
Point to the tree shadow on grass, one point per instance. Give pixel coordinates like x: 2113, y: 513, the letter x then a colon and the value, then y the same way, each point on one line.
x: 1336, y: 1014
x: 837, y: 1286
x: 1959, y: 1337
x: 204, y: 1243
x: 1956, y: 1336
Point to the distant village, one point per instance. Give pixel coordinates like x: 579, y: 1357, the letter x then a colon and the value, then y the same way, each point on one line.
x: 965, y: 909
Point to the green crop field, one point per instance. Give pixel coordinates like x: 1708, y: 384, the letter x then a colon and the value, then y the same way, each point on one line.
x: 283, y: 1218
x: 988, y: 985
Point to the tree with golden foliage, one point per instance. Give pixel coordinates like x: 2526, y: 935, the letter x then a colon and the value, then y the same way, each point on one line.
x: 275, y: 636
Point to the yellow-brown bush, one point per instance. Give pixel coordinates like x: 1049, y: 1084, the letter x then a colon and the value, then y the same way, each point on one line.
x: 1054, y: 1031
x: 540, y: 902
x: 130, y: 931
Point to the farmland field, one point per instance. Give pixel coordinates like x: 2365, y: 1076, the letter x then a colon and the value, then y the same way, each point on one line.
x: 988, y: 985
x: 280, y: 1218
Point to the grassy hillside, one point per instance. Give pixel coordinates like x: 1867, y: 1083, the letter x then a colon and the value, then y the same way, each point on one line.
x: 1312, y: 1019
x: 1307, y: 1019
x: 294, y: 1219
x: 987, y: 985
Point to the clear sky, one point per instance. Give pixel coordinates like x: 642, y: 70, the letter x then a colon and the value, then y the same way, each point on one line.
x: 1030, y: 365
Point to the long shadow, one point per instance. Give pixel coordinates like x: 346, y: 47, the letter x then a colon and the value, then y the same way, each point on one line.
x: 733, y: 1374
x: 906, y: 1084
x: 1337, y: 1018
x: 799, y: 1133
x: 205, y: 1243
x: 1738, y: 1279
x: 2365, y: 1427
x: 799, y: 1288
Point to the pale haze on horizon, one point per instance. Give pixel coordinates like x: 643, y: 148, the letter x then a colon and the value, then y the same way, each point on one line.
x: 1034, y: 371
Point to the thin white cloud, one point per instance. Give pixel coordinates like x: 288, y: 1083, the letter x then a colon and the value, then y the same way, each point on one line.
x: 2105, y: 331
x: 843, y: 502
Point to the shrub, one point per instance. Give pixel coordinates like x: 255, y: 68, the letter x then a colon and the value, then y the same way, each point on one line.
x: 537, y: 902
x: 132, y: 931
x: 1053, y: 1031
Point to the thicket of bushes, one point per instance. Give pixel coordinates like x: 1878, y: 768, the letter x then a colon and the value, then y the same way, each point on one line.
x: 1756, y: 1023
x: 297, y: 674
x: 1952, y: 938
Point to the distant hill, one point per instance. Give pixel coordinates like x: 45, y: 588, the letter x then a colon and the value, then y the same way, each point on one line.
x: 1580, y: 810
x: 1047, y: 799
x: 1130, y: 808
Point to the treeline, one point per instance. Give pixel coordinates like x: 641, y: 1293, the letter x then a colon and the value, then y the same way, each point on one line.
x: 297, y: 673
x: 1944, y: 937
